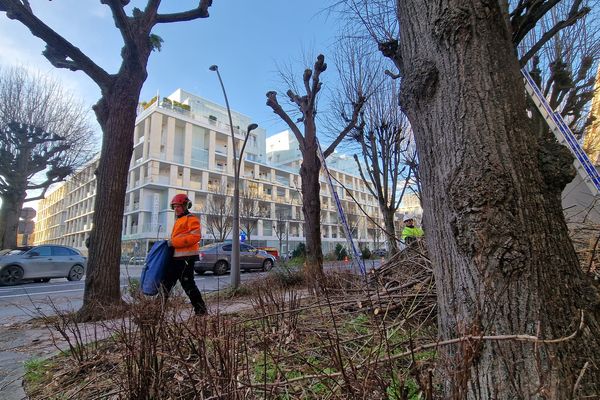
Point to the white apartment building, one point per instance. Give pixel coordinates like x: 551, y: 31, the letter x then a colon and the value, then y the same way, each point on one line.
x: 183, y: 144
x: 65, y: 215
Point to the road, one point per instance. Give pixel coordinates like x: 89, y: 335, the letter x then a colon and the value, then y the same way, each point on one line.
x: 21, y: 302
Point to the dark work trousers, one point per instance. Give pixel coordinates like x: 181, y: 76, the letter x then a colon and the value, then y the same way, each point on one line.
x: 182, y: 269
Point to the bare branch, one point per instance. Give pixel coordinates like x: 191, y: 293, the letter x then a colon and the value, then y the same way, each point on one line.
x: 121, y: 20
x: 41, y: 196
x: 319, y: 67
x: 199, y: 12
x: 277, y: 109
x: 534, y: 10
x: 362, y: 175
x: 351, y: 124
x: 551, y: 33
x: 68, y: 56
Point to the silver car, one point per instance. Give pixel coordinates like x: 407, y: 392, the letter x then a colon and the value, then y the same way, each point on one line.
x: 216, y: 257
x: 41, y: 263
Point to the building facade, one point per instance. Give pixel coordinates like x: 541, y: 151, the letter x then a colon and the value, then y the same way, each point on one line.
x: 183, y: 144
x: 591, y: 142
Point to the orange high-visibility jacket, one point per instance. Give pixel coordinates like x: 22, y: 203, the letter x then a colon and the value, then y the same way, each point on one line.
x: 185, y: 236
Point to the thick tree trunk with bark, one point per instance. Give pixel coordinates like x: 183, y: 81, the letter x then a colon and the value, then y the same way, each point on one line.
x: 503, y: 260
x: 102, y: 281
x: 311, y: 208
x: 13, y: 199
x: 12, y: 203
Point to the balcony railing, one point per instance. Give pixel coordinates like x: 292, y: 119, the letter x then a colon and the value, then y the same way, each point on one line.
x: 283, y: 181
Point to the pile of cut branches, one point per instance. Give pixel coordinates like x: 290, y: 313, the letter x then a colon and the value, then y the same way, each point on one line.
x: 404, y: 285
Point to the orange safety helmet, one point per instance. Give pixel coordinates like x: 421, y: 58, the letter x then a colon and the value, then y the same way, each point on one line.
x: 181, y: 199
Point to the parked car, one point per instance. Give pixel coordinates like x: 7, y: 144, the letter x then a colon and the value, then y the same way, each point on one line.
x: 271, y: 250
x: 137, y: 260
x: 41, y: 263
x: 216, y: 257
x: 380, y: 252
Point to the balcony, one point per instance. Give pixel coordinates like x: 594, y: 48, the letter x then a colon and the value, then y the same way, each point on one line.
x: 282, y: 180
x: 195, y: 185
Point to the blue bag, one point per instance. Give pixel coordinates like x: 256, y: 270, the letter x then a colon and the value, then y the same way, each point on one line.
x: 153, y: 272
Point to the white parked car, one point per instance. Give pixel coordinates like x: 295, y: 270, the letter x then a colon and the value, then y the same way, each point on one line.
x: 41, y: 263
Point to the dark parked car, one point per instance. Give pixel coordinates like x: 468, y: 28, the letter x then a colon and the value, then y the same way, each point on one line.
x: 216, y: 257
x: 380, y: 252
x: 41, y: 263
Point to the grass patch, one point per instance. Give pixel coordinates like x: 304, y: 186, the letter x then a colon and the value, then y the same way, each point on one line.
x: 38, y: 372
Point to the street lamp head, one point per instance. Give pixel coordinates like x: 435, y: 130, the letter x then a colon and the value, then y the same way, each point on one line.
x: 252, y: 127
x: 213, y: 67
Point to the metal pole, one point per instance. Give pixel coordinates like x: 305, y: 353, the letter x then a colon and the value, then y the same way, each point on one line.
x: 235, y: 232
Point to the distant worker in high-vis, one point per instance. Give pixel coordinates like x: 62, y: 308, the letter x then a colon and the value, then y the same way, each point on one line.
x: 410, y: 233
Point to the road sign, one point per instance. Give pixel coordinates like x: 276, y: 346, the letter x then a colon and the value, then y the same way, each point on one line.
x: 28, y: 213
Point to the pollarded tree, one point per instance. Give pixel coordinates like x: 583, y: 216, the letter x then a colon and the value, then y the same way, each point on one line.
x: 503, y: 260
x: 311, y: 165
x: 116, y: 113
x: 251, y: 209
x: 44, y: 136
x: 384, y: 140
x: 281, y: 226
x: 219, y: 213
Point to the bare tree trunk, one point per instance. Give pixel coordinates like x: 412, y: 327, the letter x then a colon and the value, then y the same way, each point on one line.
x: 10, y: 211
x: 311, y: 208
x: 102, y: 277
x: 388, y: 217
x: 503, y: 260
x: 13, y: 199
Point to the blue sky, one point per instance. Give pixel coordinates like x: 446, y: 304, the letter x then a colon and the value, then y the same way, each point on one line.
x: 249, y: 40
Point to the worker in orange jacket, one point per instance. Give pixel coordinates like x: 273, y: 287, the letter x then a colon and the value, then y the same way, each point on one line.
x: 184, y: 242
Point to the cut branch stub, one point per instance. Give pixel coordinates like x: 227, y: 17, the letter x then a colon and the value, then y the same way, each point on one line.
x: 320, y: 64
x: 272, y: 99
x: 297, y: 99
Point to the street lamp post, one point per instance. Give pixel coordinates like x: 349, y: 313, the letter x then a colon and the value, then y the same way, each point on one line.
x: 235, y: 245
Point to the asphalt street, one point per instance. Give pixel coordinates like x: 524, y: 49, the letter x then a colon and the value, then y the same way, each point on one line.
x: 21, y: 302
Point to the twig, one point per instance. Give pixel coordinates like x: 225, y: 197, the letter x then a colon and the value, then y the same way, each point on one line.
x: 579, y: 378
x: 526, y: 338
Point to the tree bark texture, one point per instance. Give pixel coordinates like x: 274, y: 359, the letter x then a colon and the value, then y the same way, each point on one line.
x: 504, y: 263
x: 13, y: 199
x: 311, y: 208
x: 388, y: 218
x: 12, y: 203
x: 116, y: 112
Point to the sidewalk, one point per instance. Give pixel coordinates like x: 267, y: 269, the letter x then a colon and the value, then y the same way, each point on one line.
x: 20, y: 342
x: 23, y: 341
